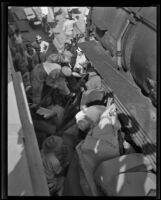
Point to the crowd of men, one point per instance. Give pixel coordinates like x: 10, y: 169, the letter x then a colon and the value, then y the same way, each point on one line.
x: 69, y: 106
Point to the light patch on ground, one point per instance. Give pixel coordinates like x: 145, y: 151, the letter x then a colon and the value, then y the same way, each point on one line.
x: 101, y: 178
x: 96, y: 146
x: 123, y: 168
x: 120, y: 182
x: 122, y: 158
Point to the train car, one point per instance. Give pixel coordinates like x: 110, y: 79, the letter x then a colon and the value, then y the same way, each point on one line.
x: 129, y: 36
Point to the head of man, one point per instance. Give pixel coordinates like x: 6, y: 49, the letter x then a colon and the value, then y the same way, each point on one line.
x: 17, y: 31
x: 66, y: 57
x: 52, y: 144
x: 67, y: 46
x: 38, y: 39
x: 82, y: 121
x: 70, y: 14
x: 53, y: 58
x: 29, y: 49
x: 83, y: 125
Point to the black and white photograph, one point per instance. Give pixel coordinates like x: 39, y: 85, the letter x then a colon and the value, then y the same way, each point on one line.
x: 82, y: 101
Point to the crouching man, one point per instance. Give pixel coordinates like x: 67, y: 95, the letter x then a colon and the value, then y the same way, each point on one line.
x: 53, y: 75
x: 56, y: 156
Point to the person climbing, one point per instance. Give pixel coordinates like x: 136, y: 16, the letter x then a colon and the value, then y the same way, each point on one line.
x: 53, y: 75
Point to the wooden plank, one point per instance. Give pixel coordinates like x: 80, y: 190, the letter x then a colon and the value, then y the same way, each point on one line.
x: 38, y: 178
x: 17, y: 160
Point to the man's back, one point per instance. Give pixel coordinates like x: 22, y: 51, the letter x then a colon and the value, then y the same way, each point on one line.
x: 68, y: 26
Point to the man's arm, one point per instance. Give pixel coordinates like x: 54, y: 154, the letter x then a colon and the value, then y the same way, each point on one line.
x: 64, y: 26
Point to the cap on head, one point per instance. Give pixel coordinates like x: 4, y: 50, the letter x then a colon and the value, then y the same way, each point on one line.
x: 66, y: 71
x: 82, y: 121
x: 53, y: 58
x: 52, y: 143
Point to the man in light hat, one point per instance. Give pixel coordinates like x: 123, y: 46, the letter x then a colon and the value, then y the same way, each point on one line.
x: 53, y: 75
x: 89, y: 117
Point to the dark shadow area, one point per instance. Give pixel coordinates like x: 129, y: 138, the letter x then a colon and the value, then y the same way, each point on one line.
x: 43, y: 128
x: 127, y: 123
x: 59, y: 12
x: 53, y: 24
x: 72, y: 186
x: 100, y: 33
x: 75, y: 11
x: 149, y: 149
x: 130, y: 127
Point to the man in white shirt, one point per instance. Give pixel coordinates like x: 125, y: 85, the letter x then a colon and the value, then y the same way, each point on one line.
x: 68, y: 28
